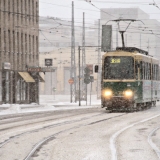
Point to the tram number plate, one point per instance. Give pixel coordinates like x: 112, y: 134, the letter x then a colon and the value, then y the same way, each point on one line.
x: 113, y: 60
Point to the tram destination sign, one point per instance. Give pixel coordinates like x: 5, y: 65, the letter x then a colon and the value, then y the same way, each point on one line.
x: 41, y: 69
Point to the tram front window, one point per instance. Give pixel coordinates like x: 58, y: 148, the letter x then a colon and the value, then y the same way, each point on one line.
x: 119, y: 67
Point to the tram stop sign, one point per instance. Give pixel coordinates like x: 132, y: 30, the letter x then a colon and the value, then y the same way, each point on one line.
x: 71, y: 81
x: 54, y: 89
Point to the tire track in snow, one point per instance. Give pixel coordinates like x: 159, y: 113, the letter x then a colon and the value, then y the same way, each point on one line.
x: 153, y: 145
x: 115, y: 135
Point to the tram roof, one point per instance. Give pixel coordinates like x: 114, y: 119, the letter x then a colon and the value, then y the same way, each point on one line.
x: 132, y: 51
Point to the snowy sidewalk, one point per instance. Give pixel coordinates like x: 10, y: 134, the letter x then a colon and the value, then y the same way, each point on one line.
x: 48, y: 103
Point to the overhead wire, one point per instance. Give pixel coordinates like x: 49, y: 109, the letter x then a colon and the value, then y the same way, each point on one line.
x: 130, y: 32
x: 110, y: 14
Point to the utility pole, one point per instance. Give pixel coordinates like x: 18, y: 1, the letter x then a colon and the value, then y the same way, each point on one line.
x: 73, y: 61
x: 140, y: 40
x: 99, y: 64
x: 148, y: 45
x: 51, y: 83
x: 79, y: 64
x: 117, y: 37
x: 126, y: 40
x: 84, y: 86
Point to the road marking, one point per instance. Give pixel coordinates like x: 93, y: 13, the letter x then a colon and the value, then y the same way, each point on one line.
x: 114, y: 136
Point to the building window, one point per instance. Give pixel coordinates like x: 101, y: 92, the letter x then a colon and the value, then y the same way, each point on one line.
x: 33, y: 43
x: 18, y: 40
x: 36, y: 51
x: 0, y: 41
x: 33, y: 11
x: 5, y: 42
x: 13, y: 42
x: 36, y: 12
x: 26, y: 49
x: 30, y: 44
x: 4, y: 13
x: 21, y: 4
x: 9, y: 40
x: 9, y: 5
x: 29, y: 9
x: 25, y: 16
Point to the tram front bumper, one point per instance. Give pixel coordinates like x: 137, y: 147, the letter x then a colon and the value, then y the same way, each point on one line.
x: 117, y: 102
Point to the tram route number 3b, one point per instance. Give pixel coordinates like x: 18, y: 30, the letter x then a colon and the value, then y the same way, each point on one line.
x: 113, y: 60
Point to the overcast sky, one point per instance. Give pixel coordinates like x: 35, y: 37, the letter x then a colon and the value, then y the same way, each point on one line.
x: 62, y: 8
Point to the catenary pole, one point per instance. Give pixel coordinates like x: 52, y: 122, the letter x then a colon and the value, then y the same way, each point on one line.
x: 99, y: 63
x: 84, y: 86
x: 79, y: 49
x: 148, y: 45
x: 73, y: 63
x: 140, y: 40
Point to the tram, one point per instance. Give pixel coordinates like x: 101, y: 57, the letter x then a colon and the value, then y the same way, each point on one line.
x: 130, y: 80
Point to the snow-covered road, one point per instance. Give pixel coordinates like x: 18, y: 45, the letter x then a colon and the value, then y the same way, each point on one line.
x: 62, y: 131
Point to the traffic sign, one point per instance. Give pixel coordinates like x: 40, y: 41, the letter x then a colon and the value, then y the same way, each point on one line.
x: 91, y: 79
x: 87, y: 75
x: 90, y: 67
x: 71, y: 81
x: 54, y: 89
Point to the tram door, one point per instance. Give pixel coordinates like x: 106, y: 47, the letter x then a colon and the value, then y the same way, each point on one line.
x: 66, y: 78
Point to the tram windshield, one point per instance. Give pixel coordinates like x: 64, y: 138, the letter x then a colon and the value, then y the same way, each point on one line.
x: 119, y: 67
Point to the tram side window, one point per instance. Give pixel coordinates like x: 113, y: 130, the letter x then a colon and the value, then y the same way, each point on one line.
x: 141, y: 70
x: 136, y: 70
x: 149, y: 76
x: 146, y: 69
x: 143, y: 66
x: 157, y: 72
x: 153, y: 71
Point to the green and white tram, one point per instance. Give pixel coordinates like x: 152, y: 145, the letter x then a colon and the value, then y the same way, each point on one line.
x: 130, y: 80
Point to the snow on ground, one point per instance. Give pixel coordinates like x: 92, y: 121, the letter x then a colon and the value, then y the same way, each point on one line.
x: 47, y: 103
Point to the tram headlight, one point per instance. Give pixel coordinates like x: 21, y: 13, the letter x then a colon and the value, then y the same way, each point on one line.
x: 128, y: 93
x: 107, y: 93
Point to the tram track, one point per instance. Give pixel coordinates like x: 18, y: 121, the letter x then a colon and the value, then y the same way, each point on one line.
x: 43, y: 141
x: 50, y: 133
x: 17, y: 117
x: 152, y: 144
x: 37, y: 146
x: 113, y: 138
x: 44, y: 127
x: 27, y: 121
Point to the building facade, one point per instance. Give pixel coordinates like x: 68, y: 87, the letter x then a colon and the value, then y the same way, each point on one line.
x: 55, y: 44
x: 19, y: 49
x: 61, y: 64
